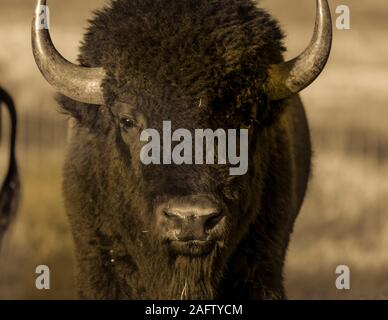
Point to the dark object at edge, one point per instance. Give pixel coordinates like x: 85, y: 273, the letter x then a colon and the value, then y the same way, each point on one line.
x: 10, y: 189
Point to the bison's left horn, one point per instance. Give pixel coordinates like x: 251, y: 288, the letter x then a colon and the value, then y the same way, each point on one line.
x: 288, y: 78
x: 76, y: 82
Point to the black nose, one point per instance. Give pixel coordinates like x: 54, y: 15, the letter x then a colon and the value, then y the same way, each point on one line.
x: 192, y: 221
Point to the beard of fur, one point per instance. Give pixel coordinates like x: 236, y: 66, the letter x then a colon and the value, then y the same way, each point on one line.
x: 191, y: 279
x: 163, y: 276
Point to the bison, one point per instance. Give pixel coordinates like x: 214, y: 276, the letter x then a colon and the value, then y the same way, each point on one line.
x: 10, y: 189
x: 182, y: 231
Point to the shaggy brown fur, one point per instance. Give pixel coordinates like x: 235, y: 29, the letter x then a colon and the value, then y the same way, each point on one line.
x: 162, y: 57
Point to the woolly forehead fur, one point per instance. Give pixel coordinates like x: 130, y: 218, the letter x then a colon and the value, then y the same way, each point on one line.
x: 179, y: 53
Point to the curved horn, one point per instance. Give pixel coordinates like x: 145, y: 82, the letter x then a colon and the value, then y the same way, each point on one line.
x: 76, y: 82
x: 288, y: 78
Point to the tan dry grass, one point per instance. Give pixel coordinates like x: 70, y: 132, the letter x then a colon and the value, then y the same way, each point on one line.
x: 39, y: 236
x: 343, y: 221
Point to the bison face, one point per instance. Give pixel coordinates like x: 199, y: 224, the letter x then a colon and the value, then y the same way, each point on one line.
x: 169, y: 212
x: 191, y: 208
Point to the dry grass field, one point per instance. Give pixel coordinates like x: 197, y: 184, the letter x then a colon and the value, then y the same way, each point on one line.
x: 344, y: 218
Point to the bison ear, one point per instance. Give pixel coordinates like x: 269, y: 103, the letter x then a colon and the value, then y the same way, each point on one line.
x: 83, y: 113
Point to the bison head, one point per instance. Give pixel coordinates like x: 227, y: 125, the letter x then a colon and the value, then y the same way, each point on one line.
x: 169, y: 231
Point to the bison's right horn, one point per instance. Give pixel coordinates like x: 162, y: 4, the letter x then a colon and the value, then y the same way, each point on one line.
x: 288, y: 78
x: 79, y: 83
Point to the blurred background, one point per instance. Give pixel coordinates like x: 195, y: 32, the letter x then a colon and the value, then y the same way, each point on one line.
x: 344, y: 217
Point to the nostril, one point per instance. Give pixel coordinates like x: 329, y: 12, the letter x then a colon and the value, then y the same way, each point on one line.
x: 212, y: 220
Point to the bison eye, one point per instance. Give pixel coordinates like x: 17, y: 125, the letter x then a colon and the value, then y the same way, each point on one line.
x: 127, y: 122
x: 250, y: 122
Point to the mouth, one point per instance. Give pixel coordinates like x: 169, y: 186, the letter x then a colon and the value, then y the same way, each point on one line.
x: 192, y: 248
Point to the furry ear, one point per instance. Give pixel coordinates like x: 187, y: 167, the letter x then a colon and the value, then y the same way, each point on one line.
x: 98, y: 119
x: 84, y: 114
